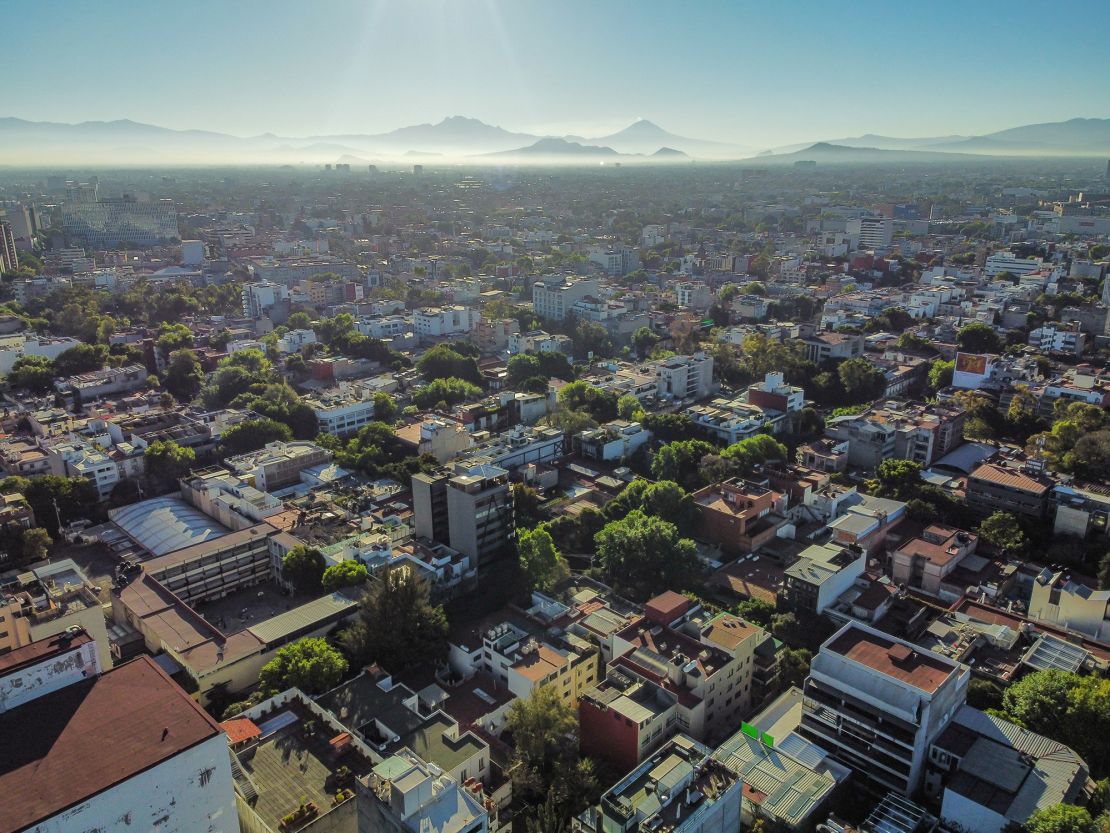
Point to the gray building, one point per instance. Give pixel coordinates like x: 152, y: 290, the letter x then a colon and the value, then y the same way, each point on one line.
x: 876, y: 703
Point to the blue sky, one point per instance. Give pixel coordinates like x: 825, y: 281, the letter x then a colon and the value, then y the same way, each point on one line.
x: 756, y: 73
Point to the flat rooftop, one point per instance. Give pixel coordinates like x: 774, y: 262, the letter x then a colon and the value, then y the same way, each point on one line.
x: 920, y: 668
x: 40, y: 651
x: 127, y: 720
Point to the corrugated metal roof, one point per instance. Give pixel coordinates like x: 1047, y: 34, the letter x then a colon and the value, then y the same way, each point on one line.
x: 299, y: 618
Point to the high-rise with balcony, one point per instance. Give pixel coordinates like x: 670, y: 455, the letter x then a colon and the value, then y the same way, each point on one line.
x: 875, y: 703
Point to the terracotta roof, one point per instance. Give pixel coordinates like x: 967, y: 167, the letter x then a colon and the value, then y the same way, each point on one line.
x: 666, y: 607
x: 1000, y: 476
x: 728, y: 631
x: 918, y: 667
x: 240, y: 729
x: 68, y: 746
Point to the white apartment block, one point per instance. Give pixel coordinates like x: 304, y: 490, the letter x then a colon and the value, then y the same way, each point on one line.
x: 554, y: 298
x: 16, y: 346
x: 872, y: 232
x: 537, y: 341
x: 344, y: 411
x: 259, y: 298
x: 1059, y: 338
x: 1006, y: 262
x: 434, y: 322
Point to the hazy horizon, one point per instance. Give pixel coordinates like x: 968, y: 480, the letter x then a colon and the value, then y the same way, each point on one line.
x: 755, y: 74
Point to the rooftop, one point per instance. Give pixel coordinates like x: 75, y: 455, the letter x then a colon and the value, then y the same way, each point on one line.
x: 898, y: 660
x: 127, y: 720
x: 166, y: 524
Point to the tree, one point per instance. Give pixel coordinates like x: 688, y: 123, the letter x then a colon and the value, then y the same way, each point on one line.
x: 50, y: 495
x: 644, y: 339
x: 542, y: 725
x: 862, y: 381
x: 590, y: 337
x: 166, y: 462
x: 251, y: 435
x: 35, y: 543
x: 299, y: 320
x: 794, y: 666
x: 349, y: 573
x: 1073, y: 709
x: 312, y: 665
x: 629, y: 407
x: 442, y: 362
x: 303, y: 567
x: 444, y: 393
x: 173, y: 337
x: 940, y: 374
x: 385, y: 409
x: 84, y: 358
x: 679, y: 460
x: 757, y: 611
x: 541, y: 562
x: 35, y: 373
x: 667, y: 500
x: 184, y: 375
x: 1060, y: 818
x: 1003, y: 531
x: 977, y: 337
x: 398, y: 626
x: 644, y: 555
x: 898, y: 479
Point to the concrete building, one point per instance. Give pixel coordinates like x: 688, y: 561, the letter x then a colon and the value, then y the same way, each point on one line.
x: 439, y: 322
x: 992, y: 487
x: 120, y: 750
x: 1067, y: 338
x: 344, y: 411
x: 279, y: 464
x: 469, y: 509
x: 871, y: 232
x: 820, y: 576
x: 1057, y: 600
x: 680, y: 789
x: 899, y: 430
x: 45, y: 601
x: 553, y: 298
x: 1001, y: 262
x: 614, y: 440
x: 107, y: 223
x: 406, y: 795
x: 877, y: 703
x: 684, y: 377
x: 829, y: 347
x: 925, y: 562
x: 739, y: 516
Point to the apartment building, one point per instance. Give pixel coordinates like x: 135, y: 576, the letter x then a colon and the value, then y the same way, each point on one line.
x: 1067, y: 338
x: 470, y: 509
x: 538, y: 341
x: 680, y: 789
x: 820, y: 576
x: 1058, y: 600
x: 871, y: 232
x: 614, y: 440
x: 278, y: 464
x: 730, y: 420
x: 15, y: 346
x: 1001, y: 262
x: 343, y: 411
x: 823, y: 347
x: 925, y: 562
x: 876, y: 703
x: 992, y: 487
x: 553, y: 298
x: 406, y: 795
x: 101, y: 224
x: 904, y: 431
x: 617, y: 261
x: 439, y: 322
x: 493, y: 336
x: 739, y: 516
x: 684, y: 377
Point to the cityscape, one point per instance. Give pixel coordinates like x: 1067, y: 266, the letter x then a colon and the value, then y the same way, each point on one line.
x: 488, y: 457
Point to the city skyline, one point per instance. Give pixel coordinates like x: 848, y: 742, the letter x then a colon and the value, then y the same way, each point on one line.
x: 739, y: 73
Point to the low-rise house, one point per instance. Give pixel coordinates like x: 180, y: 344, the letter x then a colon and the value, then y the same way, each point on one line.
x: 739, y: 516
x: 612, y: 441
x: 925, y: 562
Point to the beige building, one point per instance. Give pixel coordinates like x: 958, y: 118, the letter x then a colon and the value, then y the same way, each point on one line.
x: 1057, y: 600
x: 279, y: 464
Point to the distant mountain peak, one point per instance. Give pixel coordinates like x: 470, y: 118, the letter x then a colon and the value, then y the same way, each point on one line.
x: 642, y: 127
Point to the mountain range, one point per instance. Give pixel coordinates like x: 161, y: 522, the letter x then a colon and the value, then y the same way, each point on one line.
x: 461, y: 139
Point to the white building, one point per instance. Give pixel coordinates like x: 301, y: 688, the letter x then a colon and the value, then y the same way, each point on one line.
x: 871, y: 232
x: 1059, y: 338
x: 1006, y: 262
x: 1057, y: 600
x: 406, y: 795
x: 612, y: 441
x: 434, y: 322
x: 342, y: 411
x: 259, y: 298
x: 537, y: 341
x: 294, y: 340
x: 553, y: 298
x: 16, y: 346
x: 122, y: 750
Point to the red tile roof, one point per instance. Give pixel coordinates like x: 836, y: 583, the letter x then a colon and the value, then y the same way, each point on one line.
x: 240, y: 729
x: 1001, y: 476
x: 68, y: 746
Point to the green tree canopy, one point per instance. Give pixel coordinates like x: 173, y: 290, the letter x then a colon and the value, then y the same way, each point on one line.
x: 443, y: 362
x: 398, y: 626
x: 349, y: 573
x: 166, y: 462
x: 312, y: 665
x: 385, y: 409
x: 541, y: 562
x: 644, y: 555
x: 1060, y: 818
x: 251, y: 435
x: 1004, y: 531
x: 184, y: 376
x: 303, y: 567
x: 84, y: 358
x: 977, y: 337
x: 862, y: 381
x: 35, y: 373
x: 449, y: 391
